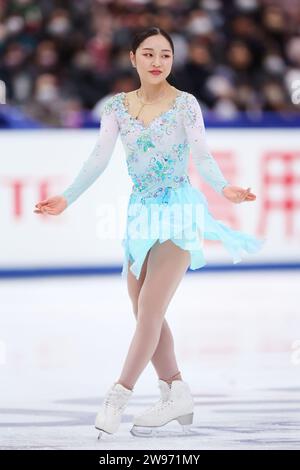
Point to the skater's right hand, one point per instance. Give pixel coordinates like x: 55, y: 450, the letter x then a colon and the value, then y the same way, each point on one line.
x: 53, y: 205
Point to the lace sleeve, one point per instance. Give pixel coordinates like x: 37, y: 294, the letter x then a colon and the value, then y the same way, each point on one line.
x: 195, y: 132
x: 98, y: 159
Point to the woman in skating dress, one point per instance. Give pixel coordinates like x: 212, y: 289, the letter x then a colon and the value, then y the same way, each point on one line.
x: 167, y: 220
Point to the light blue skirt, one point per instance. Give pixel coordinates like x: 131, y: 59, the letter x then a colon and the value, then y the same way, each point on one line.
x: 182, y: 215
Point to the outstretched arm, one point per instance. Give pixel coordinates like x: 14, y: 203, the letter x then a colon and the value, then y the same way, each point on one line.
x: 99, y: 157
x: 204, y: 161
x: 195, y: 132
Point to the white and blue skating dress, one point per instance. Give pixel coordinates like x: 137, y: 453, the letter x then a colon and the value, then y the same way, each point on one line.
x: 163, y: 204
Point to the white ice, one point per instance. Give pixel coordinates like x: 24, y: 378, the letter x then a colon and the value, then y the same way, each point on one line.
x: 237, y: 339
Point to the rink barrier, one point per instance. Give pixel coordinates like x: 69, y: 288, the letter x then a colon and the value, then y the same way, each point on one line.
x: 105, y: 270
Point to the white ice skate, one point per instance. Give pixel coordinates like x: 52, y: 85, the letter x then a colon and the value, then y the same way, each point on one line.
x: 108, y: 419
x: 176, y: 403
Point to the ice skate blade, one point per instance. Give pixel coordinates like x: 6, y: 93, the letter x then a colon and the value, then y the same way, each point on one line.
x: 159, y: 431
x: 101, y: 432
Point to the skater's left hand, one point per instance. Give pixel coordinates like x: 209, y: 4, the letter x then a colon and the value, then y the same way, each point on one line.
x: 237, y: 194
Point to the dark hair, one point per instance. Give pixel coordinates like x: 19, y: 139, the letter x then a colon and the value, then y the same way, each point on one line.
x: 140, y: 36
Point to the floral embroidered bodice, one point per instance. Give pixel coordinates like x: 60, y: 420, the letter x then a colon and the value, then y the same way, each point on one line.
x: 156, y: 154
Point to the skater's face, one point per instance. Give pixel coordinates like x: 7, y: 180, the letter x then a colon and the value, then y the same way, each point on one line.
x: 154, y: 53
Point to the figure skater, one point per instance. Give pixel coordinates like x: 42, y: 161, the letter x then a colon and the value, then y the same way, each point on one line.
x: 158, y: 126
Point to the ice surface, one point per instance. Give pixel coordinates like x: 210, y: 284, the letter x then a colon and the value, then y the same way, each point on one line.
x: 237, y: 340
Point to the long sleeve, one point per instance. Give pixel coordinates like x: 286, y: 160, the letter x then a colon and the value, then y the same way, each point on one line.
x: 98, y: 160
x: 195, y: 131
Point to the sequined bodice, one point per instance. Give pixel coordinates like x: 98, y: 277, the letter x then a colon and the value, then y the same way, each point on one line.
x: 154, y: 162
x: 156, y: 154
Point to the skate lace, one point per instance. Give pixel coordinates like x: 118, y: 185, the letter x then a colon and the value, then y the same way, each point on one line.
x: 111, y: 401
x: 160, y: 405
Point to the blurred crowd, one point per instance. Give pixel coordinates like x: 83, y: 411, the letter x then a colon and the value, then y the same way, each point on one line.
x: 60, y: 60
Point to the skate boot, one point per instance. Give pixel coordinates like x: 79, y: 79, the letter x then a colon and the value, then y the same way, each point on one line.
x: 176, y: 403
x: 108, y: 419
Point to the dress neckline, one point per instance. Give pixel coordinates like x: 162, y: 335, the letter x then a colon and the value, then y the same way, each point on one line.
x: 159, y: 116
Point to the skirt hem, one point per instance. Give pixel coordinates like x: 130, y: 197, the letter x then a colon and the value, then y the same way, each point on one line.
x: 236, y: 242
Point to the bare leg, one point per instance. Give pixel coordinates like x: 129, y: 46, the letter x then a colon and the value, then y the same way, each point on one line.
x: 167, y: 263
x: 163, y: 359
